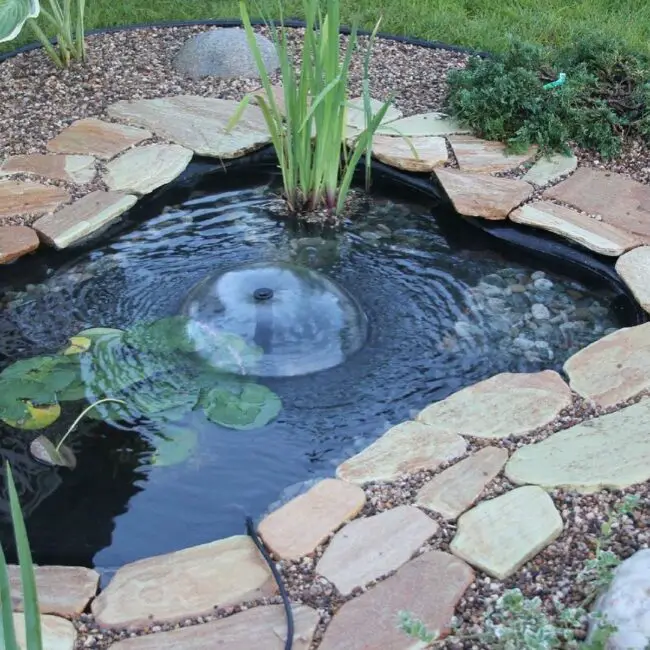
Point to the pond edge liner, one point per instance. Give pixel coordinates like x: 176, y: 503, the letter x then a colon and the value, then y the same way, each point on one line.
x: 293, y: 23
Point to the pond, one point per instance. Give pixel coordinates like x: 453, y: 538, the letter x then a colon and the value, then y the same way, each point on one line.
x: 254, y: 357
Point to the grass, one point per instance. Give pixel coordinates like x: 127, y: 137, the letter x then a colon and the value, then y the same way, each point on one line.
x: 480, y: 24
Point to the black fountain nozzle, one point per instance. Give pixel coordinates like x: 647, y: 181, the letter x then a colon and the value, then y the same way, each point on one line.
x: 263, y: 293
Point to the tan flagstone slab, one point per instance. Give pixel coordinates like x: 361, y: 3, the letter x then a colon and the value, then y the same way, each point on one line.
x: 619, y: 200
x: 455, y: 489
x: 87, y: 216
x: 356, y: 116
x: 517, y: 404
x: 94, y: 137
x: 477, y: 155
x: 198, y: 123
x: 419, y: 154
x: 71, y: 168
x: 184, y: 584
x: 608, y: 452
x: 16, y: 241
x: 481, y: 195
x: 576, y: 226
x: 27, y: 197
x: 63, y: 590
x: 422, y: 124
x: 277, y: 92
x: 58, y: 633
x: 614, y: 368
x: 298, y: 527
x: 634, y: 268
x: 500, y: 535
x: 143, y: 169
x: 550, y: 168
x: 368, y: 548
x: 259, y: 628
x: 429, y: 587
x: 405, y: 448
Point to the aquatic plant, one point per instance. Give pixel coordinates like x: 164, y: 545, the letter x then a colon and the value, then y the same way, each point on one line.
x: 308, y: 129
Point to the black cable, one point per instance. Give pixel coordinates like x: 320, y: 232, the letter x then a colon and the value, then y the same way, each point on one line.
x: 250, y: 529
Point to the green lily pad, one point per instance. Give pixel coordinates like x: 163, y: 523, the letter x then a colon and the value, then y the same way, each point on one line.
x: 175, y: 447
x: 110, y: 412
x: 227, y: 352
x: 162, y: 396
x: 250, y: 406
x: 38, y: 417
x: 45, y: 451
x: 162, y: 336
x: 55, y: 373
x: 77, y: 345
x: 74, y: 392
x: 95, y: 333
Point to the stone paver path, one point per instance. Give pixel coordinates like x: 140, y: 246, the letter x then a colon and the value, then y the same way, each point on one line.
x: 356, y: 116
x: 634, y: 268
x: 614, y: 368
x: 500, y: 535
x: 481, y: 195
x: 418, y: 154
x: 58, y: 633
x: 428, y: 586
x: 550, y: 168
x: 369, y: 548
x: 477, y: 155
x: 16, y: 241
x: 298, y: 527
x: 64, y: 590
x: 612, y: 451
x: 98, y: 138
x: 406, y: 447
x: 27, y: 197
x: 73, y: 168
x: 260, y: 628
x: 455, y: 489
x: 422, y: 124
x: 518, y: 403
x: 184, y: 584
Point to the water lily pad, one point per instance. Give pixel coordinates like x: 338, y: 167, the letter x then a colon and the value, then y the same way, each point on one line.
x: 250, y: 406
x: 77, y: 345
x: 45, y: 451
x: 74, y: 392
x: 162, y: 336
x: 38, y: 417
x: 175, y: 447
x: 164, y: 396
x: 55, y: 373
x: 226, y: 352
x: 95, y: 333
x: 111, y: 412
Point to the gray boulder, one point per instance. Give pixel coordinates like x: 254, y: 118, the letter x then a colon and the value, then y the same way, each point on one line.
x: 224, y: 53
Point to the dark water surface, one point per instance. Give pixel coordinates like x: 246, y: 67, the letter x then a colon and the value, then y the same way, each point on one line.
x: 441, y: 316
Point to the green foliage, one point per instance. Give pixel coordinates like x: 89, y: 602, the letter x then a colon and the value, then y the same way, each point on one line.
x: 247, y: 406
x: 606, y: 95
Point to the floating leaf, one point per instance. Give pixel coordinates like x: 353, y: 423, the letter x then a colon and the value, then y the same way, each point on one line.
x: 15, y: 393
x: 248, y: 407
x: 226, y: 352
x: 162, y: 336
x: 164, y: 395
x: 55, y: 373
x: 38, y: 417
x: 74, y: 392
x: 78, y: 344
x: 45, y: 451
x: 110, y: 412
x: 175, y: 447
x: 95, y: 333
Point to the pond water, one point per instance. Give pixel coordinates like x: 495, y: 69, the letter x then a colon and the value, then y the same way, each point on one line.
x: 403, y: 306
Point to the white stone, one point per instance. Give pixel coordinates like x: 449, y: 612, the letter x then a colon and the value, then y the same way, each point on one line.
x: 58, y: 633
x: 634, y: 268
x: 550, y: 168
x: 626, y: 604
x: 540, y: 311
x: 422, y: 124
x: 419, y: 154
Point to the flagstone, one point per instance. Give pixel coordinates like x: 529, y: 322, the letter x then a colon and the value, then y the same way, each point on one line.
x: 619, y: 200
x: 368, y: 548
x: 576, y: 226
x: 455, y: 489
x: 63, y: 590
x: 184, y: 584
x: 550, y: 168
x: 477, y: 155
x: 18, y: 198
x: 500, y: 535
x: 198, y: 123
x: 58, y: 633
x: 614, y: 368
x: 608, y: 452
x: 422, y: 124
x: 356, y: 117
x: 144, y: 169
x: 405, y: 448
x: 418, y: 154
x: 481, y: 195
x: 72, y: 168
x: 16, y: 241
x: 259, y: 628
x: 634, y: 268
x: 518, y: 403
x: 94, y: 137
x: 428, y: 587
x: 83, y: 218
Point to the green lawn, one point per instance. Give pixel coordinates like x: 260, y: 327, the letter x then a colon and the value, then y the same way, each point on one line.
x: 482, y: 24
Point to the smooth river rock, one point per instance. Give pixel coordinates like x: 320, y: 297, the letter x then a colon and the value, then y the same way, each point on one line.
x: 612, y: 451
x: 73, y: 168
x: 58, y: 633
x: 418, y: 154
x: 16, y: 241
x: 576, y: 226
x: 634, y: 268
x: 477, y: 155
x: 500, y: 535
x: 550, y: 168
x: 405, y: 448
x: 183, y: 584
x: 422, y: 124
x: 368, y: 548
x: 429, y: 587
x: 614, y: 368
x: 22, y: 198
x: 508, y: 404
x: 455, y: 489
x: 94, y: 137
x: 298, y: 527
x: 481, y: 195
x: 198, y: 123
x: 144, y: 169
x: 259, y: 628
